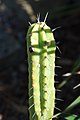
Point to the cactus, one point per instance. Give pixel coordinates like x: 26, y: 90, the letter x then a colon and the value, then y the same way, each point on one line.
x: 41, y: 67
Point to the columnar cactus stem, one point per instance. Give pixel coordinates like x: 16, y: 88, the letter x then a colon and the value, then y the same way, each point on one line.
x: 41, y: 66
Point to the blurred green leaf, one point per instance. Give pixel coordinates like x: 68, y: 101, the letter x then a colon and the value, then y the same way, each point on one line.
x: 72, y: 105
x: 66, y: 112
x: 72, y: 117
x: 76, y: 66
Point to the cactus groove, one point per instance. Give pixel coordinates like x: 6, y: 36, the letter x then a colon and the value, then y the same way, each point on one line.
x: 41, y: 67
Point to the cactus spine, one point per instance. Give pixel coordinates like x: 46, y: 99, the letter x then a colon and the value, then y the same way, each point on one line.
x: 41, y: 67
